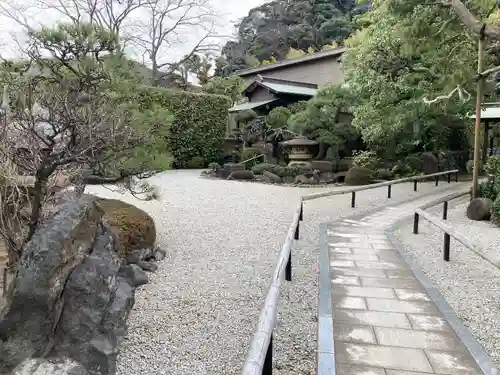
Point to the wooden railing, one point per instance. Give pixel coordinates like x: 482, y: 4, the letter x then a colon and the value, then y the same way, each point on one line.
x: 260, y: 355
x: 449, y: 232
x: 389, y: 184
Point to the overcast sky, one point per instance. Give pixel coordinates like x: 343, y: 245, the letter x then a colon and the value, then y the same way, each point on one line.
x: 232, y: 9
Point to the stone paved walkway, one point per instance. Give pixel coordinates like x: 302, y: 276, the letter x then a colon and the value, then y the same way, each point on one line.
x: 384, y: 321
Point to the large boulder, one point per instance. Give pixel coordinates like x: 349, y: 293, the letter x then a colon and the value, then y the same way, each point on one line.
x: 271, y: 177
x: 34, y: 304
x: 479, y: 209
x: 358, y: 176
x: 430, y: 163
x: 132, y: 227
x: 53, y: 366
x: 72, y: 292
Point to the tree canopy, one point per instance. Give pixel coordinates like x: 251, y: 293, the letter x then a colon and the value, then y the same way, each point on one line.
x: 407, y: 53
x: 270, y: 30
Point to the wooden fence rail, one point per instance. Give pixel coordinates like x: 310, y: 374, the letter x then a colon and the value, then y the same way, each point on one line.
x: 354, y: 190
x: 449, y: 232
x: 259, y: 356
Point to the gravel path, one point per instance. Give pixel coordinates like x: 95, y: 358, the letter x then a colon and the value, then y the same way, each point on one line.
x: 469, y: 284
x: 198, y: 313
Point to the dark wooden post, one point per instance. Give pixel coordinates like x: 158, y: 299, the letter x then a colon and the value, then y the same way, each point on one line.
x: 416, y: 217
x: 353, y: 199
x: 288, y: 269
x: 268, y: 362
x: 389, y: 187
x: 445, y: 210
x: 446, y: 252
x: 415, y: 185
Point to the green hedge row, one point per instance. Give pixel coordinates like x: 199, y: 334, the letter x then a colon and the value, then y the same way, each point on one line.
x: 199, y: 127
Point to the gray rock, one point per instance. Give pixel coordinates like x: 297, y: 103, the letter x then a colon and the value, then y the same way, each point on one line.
x: 136, y: 256
x: 479, y: 209
x: 272, y: 177
x: 301, y: 179
x: 97, y: 303
x: 241, y: 175
x: 328, y: 177
x: 69, y: 299
x: 147, y: 266
x: 160, y: 254
x: 430, y: 163
x: 34, y: 305
x: 52, y: 366
x: 134, y: 275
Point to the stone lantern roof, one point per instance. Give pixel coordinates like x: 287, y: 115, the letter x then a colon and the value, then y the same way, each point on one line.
x: 300, y: 141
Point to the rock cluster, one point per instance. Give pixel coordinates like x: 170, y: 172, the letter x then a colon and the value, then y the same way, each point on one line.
x: 72, y: 294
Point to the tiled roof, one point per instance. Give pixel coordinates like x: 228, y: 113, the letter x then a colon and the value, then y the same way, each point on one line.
x: 299, y: 60
x: 249, y: 105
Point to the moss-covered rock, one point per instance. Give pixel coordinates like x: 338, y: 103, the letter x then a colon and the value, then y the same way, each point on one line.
x: 358, y: 176
x: 134, y: 229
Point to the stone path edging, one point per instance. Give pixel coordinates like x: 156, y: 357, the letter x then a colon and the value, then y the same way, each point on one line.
x: 326, y: 352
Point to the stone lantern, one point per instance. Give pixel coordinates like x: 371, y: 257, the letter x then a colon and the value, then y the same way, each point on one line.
x: 300, y: 152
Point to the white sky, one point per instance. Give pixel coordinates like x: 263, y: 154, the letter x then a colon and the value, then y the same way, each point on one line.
x: 232, y: 10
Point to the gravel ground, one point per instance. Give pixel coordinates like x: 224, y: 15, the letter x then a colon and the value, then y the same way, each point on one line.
x: 469, y: 284
x: 199, y: 311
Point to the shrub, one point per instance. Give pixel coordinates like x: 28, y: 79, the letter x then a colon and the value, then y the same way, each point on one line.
x: 358, y: 176
x: 134, y: 229
x: 199, y: 124
x: 487, y: 189
x: 383, y: 174
x: 278, y: 117
x: 365, y: 159
x: 470, y: 166
x: 249, y: 153
x: 196, y: 163
x: 263, y: 167
x: 495, y: 212
x: 295, y: 170
x: 492, y: 166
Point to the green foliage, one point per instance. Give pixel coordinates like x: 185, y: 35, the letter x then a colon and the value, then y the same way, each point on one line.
x: 199, y: 124
x: 410, y: 51
x: 196, y: 163
x: 280, y: 170
x: 470, y: 166
x: 365, y: 159
x: 383, y: 174
x: 249, y: 153
x: 325, y: 118
x: 488, y: 189
x: 263, y: 167
x: 231, y: 86
x: 278, y: 117
x: 358, y: 176
x: 297, y: 107
x: 245, y: 116
x: 493, y: 166
x: 495, y: 213
x: 272, y: 30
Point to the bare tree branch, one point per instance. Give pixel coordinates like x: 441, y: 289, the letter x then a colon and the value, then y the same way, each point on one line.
x: 471, y: 21
x: 175, y: 22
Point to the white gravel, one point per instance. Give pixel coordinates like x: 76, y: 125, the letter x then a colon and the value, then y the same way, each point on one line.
x: 198, y: 313
x: 469, y: 284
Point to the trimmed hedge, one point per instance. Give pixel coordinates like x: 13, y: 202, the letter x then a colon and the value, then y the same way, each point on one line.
x: 199, y: 125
